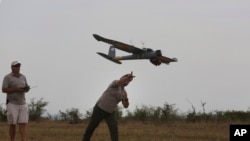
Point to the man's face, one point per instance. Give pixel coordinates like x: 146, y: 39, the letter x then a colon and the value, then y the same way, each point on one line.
x: 16, y: 68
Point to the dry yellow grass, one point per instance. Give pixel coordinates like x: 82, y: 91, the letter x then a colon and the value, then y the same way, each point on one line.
x: 128, y: 131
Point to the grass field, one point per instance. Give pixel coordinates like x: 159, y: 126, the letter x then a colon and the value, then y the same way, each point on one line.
x: 128, y: 131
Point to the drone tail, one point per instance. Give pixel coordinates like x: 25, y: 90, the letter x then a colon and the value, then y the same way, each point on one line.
x: 112, y: 52
x: 109, y: 58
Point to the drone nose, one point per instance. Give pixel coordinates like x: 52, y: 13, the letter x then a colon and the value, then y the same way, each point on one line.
x: 158, y: 53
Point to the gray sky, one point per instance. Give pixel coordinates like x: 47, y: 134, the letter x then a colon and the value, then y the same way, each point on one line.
x: 53, y: 41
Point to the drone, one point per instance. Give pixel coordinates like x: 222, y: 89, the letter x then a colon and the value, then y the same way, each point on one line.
x: 154, y: 56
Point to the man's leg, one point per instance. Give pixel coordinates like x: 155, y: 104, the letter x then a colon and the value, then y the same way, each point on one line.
x: 12, y: 131
x: 12, y: 115
x: 22, y: 130
x: 112, y: 125
x: 23, y: 120
x: 97, y: 116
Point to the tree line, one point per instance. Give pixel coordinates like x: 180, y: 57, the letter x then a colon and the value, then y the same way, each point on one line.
x: 144, y: 113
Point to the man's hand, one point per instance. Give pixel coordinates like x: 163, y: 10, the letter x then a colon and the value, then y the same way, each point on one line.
x: 26, y: 88
x: 13, y: 90
x: 125, y: 103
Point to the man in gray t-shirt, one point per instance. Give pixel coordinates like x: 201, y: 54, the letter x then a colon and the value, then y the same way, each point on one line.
x: 15, y: 86
x: 106, y: 105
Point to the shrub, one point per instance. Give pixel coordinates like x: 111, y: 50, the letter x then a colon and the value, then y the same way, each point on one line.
x: 73, y: 116
x: 3, y: 114
x: 36, y: 109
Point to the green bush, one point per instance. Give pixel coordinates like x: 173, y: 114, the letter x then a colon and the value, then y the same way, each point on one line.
x: 36, y: 109
x: 73, y: 116
x: 3, y: 114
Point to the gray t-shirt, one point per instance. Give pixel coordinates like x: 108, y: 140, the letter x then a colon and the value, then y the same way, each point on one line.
x: 12, y: 81
x: 111, y: 97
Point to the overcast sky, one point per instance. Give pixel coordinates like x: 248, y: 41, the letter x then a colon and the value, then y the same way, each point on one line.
x: 53, y: 41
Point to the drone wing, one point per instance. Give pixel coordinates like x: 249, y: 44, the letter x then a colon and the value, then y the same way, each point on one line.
x: 119, y: 45
x: 167, y: 60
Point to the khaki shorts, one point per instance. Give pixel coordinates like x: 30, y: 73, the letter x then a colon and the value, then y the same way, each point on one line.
x: 17, y: 113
